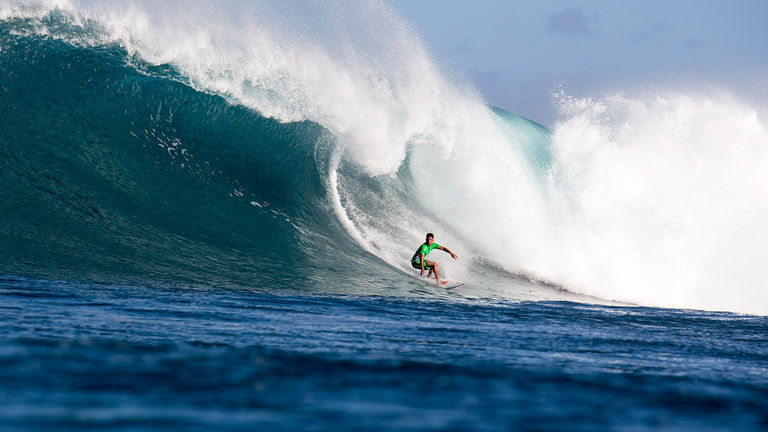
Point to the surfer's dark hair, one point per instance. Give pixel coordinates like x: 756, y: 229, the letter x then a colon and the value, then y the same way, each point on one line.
x: 429, y: 235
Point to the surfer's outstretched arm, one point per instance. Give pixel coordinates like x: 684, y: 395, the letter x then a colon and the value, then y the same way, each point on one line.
x: 452, y: 254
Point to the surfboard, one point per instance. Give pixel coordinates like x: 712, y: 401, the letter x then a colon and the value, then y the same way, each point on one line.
x: 448, y: 285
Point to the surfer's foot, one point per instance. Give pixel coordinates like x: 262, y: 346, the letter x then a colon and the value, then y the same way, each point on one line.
x: 442, y: 282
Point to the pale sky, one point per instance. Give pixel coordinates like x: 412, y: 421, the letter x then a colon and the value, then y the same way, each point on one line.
x: 517, y: 52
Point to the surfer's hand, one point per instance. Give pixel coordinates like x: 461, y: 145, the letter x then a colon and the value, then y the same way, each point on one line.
x: 422, y: 272
x: 454, y: 256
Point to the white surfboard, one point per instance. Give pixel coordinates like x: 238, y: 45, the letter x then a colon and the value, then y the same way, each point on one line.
x: 446, y: 285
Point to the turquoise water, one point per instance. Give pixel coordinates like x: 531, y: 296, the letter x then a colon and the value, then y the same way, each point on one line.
x: 108, y: 190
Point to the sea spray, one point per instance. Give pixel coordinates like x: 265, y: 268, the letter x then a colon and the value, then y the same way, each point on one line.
x: 661, y: 199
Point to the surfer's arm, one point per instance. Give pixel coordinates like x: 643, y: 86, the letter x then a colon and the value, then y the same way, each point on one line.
x: 446, y: 249
x: 422, y: 264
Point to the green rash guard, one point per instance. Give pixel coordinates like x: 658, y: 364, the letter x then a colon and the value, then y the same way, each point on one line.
x: 422, y: 250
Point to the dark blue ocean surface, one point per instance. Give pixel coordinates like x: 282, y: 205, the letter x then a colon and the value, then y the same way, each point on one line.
x: 86, y: 356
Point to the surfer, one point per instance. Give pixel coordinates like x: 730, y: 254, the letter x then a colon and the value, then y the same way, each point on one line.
x: 418, y: 261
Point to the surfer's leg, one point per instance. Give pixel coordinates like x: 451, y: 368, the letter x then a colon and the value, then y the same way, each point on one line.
x: 433, y: 268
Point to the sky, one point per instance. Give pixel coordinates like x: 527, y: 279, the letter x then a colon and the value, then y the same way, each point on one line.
x: 517, y: 53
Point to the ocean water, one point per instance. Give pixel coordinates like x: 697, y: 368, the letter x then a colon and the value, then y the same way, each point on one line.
x: 85, y: 356
x: 207, y: 213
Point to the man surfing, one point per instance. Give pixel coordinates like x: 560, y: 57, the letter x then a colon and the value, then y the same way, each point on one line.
x: 418, y: 261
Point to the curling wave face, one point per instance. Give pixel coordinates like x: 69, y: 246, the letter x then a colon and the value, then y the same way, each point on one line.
x: 112, y: 173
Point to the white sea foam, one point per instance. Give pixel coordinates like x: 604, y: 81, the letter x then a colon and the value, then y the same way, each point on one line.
x: 662, y: 199
x: 656, y: 199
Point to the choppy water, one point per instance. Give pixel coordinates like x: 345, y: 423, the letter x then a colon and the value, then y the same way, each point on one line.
x: 84, y: 356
